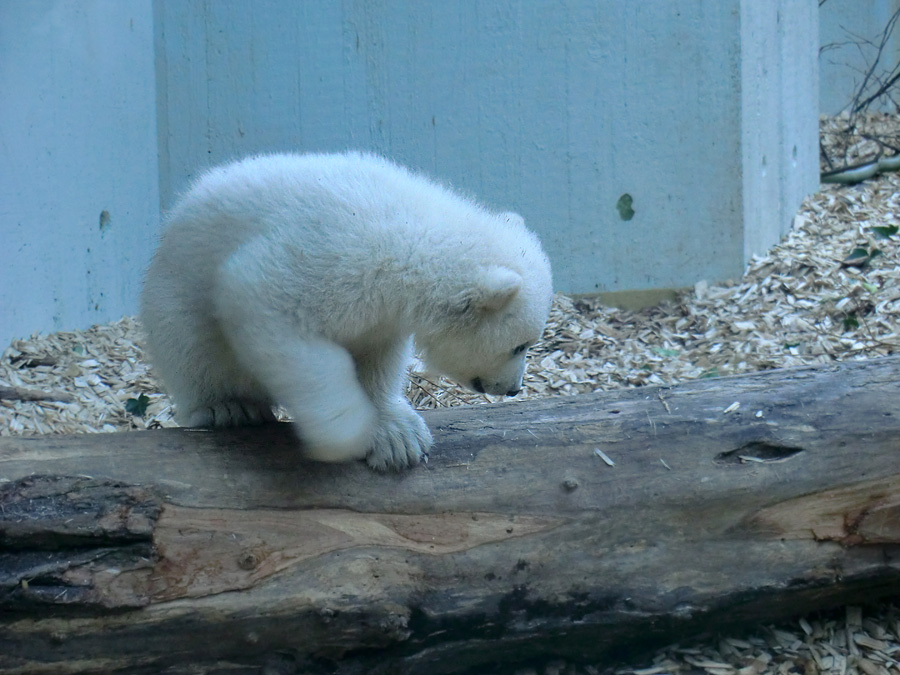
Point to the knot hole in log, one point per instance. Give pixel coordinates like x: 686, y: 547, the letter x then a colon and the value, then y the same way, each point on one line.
x: 758, y: 452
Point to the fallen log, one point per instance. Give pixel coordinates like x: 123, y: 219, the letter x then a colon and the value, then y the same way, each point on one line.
x: 588, y: 527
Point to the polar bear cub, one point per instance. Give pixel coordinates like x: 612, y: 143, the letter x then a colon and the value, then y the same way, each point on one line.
x: 300, y: 280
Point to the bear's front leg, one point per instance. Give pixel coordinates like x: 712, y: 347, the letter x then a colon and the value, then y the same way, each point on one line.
x: 312, y: 377
x: 315, y: 381
x: 401, y: 438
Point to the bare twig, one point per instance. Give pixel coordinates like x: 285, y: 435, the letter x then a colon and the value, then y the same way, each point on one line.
x: 860, y: 105
x: 878, y: 84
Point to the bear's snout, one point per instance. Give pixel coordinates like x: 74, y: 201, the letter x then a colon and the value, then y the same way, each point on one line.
x: 478, y: 386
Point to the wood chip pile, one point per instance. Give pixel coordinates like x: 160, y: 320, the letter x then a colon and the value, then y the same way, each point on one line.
x: 852, y: 643
x: 829, y: 291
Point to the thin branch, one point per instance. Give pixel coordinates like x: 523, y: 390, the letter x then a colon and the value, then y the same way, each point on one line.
x: 825, y: 154
x: 23, y: 394
x: 881, y: 91
x: 858, y: 106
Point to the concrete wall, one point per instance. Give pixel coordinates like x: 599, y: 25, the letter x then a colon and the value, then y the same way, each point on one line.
x: 842, y: 62
x: 700, y: 113
x: 79, y: 200
x: 555, y: 109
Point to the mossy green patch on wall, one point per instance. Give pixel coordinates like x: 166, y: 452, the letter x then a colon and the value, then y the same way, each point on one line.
x: 625, y: 207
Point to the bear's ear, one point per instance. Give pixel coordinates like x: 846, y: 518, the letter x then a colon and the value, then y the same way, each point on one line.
x: 493, y: 290
x: 512, y: 217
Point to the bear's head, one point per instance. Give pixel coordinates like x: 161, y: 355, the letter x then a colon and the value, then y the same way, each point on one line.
x: 489, y: 327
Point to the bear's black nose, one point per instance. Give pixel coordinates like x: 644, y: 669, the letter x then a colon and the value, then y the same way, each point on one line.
x: 513, y: 392
x: 477, y: 386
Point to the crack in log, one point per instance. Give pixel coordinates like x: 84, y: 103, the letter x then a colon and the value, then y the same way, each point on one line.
x: 758, y: 452
x: 53, y: 512
x: 75, y: 541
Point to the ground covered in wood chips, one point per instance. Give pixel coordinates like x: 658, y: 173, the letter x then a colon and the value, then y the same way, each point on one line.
x: 829, y: 291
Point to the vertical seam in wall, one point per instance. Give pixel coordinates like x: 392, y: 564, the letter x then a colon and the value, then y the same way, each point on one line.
x: 208, y: 27
x: 783, y: 168
x: 161, y: 70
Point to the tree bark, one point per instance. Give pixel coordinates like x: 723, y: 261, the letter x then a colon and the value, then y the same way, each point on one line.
x: 710, y: 503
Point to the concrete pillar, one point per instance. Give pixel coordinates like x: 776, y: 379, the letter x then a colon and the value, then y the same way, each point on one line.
x: 779, y: 116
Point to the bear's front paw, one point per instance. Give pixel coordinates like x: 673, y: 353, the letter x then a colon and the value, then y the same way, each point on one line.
x: 401, y: 440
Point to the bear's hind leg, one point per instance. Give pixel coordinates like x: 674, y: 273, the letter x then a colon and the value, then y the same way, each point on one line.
x: 199, y: 369
x: 209, y: 386
x: 230, y: 412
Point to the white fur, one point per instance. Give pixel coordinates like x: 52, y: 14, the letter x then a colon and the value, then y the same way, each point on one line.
x: 300, y: 279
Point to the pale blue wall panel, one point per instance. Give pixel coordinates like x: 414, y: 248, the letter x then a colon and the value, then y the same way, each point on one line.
x: 77, y: 139
x: 247, y: 77
x: 552, y: 108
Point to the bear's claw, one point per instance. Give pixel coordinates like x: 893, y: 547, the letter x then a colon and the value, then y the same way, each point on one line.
x: 231, y: 414
x: 402, y: 440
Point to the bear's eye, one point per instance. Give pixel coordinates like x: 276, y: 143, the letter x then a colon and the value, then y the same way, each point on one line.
x: 521, y: 348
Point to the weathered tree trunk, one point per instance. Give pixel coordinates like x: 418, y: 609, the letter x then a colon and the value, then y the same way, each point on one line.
x: 222, y: 551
